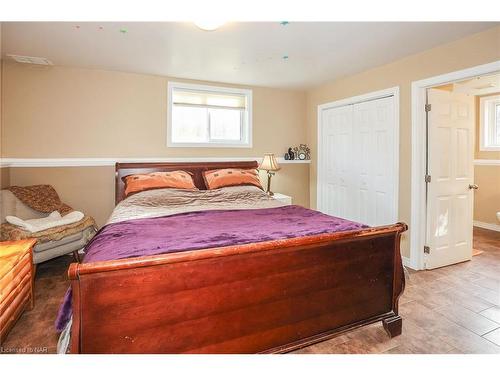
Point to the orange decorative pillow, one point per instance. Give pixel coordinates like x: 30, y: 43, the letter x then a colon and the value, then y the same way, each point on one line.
x: 231, y: 177
x: 157, y: 180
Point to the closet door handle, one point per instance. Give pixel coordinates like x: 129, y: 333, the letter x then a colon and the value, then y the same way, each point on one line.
x: 473, y: 187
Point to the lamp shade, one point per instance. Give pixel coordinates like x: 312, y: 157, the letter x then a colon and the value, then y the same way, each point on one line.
x: 269, y: 163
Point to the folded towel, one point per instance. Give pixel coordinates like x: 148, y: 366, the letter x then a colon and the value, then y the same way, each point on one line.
x: 53, y: 220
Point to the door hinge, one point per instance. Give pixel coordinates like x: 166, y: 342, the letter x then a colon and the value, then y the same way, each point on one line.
x: 428, y: 178
x: 428, y: 107
x: 427, y: 250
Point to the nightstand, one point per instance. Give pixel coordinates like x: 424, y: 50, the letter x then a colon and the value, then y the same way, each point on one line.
x: 283, y: 198
x: 16, y: 282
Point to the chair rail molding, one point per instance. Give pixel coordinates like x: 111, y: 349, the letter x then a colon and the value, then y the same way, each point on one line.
x: 104, y: 162
x: 495, y: 162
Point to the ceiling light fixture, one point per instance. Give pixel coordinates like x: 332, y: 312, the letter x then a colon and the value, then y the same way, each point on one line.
x: 209, y: 25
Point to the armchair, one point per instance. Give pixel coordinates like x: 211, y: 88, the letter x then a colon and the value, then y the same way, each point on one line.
x: 51, y: 243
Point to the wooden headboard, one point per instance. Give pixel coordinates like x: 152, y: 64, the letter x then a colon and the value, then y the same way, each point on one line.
x: 196, y: 168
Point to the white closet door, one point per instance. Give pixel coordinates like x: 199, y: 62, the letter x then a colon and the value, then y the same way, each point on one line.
x: 374, y: 153
x: 357, y: 162
x: 336, y: 162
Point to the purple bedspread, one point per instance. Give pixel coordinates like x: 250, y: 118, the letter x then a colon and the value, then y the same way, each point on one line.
x: 202, y: 230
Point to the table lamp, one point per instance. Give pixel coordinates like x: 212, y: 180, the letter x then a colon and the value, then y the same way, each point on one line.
x: 270, y: 165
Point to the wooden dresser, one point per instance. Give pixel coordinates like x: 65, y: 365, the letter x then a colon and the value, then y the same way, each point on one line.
x: 16, y: 282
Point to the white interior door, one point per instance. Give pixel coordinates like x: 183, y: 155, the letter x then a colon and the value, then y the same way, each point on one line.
x: 357, y: 169
x: 450, y: 165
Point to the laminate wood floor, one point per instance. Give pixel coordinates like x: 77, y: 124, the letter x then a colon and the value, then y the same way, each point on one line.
x: 454, y: 309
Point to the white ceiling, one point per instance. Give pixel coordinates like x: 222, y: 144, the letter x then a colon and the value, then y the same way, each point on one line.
x: 241, y: 53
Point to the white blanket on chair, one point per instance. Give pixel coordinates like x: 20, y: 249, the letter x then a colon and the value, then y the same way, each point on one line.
x: 53, y: 220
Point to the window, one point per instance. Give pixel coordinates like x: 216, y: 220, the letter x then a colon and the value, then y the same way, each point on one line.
x: 490, y: 123
x: 207, y: 116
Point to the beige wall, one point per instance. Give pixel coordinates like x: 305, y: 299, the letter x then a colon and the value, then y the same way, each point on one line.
x: 4, y: 177
x: 63, y: 112
x: 474, y: 50
x: 4, y: 172
x: 487, y: 198
x: 89, y: 189
x: 70, y: 112
x: 1, y: 128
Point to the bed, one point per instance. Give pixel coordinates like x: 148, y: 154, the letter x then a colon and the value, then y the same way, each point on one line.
x: 241, y: 275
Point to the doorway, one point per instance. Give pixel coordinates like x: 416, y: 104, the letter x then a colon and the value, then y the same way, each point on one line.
x: 443, y: 183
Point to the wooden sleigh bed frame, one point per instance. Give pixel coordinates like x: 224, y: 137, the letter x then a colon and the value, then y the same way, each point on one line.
x: 266, y: 297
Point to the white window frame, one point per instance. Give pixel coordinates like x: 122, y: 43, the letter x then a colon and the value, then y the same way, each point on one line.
x: 487, y: 105
x: 245, y: 143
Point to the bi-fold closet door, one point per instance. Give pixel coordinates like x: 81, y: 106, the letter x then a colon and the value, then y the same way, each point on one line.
x: 357, y: 162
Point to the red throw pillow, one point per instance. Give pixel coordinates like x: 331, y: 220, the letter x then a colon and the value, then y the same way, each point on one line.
x: 140, y: 182
x: 218, y: 178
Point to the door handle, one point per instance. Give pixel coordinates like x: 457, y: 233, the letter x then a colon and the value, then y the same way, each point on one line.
x: 473, y: 186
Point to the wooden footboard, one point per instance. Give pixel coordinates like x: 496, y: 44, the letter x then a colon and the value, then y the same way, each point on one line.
x: 272, y: 297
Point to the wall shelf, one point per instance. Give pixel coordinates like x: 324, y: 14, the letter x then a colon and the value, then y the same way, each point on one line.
x: 284, y: 161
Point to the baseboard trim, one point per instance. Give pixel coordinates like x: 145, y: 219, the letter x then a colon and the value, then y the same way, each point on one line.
x: 106, y: 162
x: 489, y: 226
